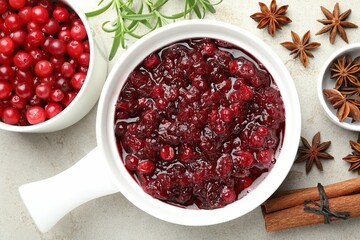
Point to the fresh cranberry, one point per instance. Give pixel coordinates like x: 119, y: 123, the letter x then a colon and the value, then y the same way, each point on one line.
x: 57, y: 48
x: 24, y: 90
x: 33, y: 26
x: 43, y: 68
x: 6, y: 72
x: 35, y: 38
x: 18, y: 102
x: 75, y: 49
x: 24, y: 75
x: 52, y: 109
x: 65, y: 35
x: 5, y: 90
x: 13, y: 22
x: 22, y: 60
x: 77, y: 80
x: 43, y: 91
x: 3, y: 6
x: 6, y: 59
x: 25, y: 14
x: 84, y: 59
x: 67, y: 69
x: 68, y: 98
x: 57, y: 95
x: 17, y: 4
x: 61, y: 14
x: 78, y: 32
x: 10, y: 115
x: 51, y: 27
x: 6, y: 45
x: 35, y: 115
x: 19, y: 37
x: 39, y: 14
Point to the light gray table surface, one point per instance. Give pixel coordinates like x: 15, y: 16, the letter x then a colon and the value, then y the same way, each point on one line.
x: 30, y: 157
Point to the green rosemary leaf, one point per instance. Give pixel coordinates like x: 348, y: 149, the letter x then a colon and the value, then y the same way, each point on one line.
x: 99, y: 11
x: 208, y: 6
x: 116, y: 43
x: 100, y: 2
x: 139, y: 17
x: 159, y: 4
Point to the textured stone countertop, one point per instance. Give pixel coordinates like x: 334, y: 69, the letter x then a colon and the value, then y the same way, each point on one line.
x: 31, y: 157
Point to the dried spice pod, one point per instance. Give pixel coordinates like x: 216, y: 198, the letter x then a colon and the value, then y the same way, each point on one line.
x: 344, y: 70
x: 301, y: 48
x: 344, y: 106
x: 273, y: 18
x: 335, y: 23
x: 354, y: 157
x: 313, y: 153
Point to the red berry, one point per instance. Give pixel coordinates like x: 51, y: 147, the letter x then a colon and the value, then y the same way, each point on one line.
x: 24, y: 90
x: 43, y: 91
x: 84, y: 59
x: 65, y: 35
x: 3, y: 6
x: 78, y: 32
x: 75, y: 49
x: 67, y: 70
x: 77, y: 80
x: 25, y: 14
x: 51, y: 27
x: 57, y: 95
x: 226, y: 114
x: 61, y: 14
x: 68, y: 98
x: 19, y: 37
x: 146, y: 167
x: 5, y: 90
x: 53, y: 109
x: 35, y: 38
x: 167, y: 153
x: 57, y: 48
x: 10, y: 115
x: 43, y: 68
x: 6, y: 45
x: 13, y: 22
x: 17, y: 4
x: 131, y: 162
x: 22, y: 60
x: 18, y: 102
x: 35, y: 115
x: 39, y: 14
x: 6, y: 73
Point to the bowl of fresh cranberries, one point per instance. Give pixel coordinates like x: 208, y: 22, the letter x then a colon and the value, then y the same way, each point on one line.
x: 47, y: 56
x: 198, y: 123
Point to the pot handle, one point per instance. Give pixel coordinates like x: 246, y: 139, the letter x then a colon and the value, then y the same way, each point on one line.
x: 50, y: 199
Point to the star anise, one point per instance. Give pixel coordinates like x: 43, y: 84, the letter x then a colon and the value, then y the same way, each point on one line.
x: 301, y: 49
x: 354, y: 157
x: 273, y: 18
x: 313, y: 153
x: 335, y: 23
x: 344, y: 70
x: 346, y: 106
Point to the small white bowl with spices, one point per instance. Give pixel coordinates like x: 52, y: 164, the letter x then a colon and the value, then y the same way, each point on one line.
x: 337, y: 90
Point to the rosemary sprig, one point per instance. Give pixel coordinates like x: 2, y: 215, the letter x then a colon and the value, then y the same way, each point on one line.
x: 130, y: 15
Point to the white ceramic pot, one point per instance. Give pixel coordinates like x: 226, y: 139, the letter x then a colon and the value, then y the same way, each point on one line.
x: 88, y: 94
x: 101, y: 172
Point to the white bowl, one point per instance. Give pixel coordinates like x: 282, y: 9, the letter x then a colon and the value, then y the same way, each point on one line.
x: 156, y: 40
x: 88, y: 94
x: 325, y: 82
x: 101, y: 172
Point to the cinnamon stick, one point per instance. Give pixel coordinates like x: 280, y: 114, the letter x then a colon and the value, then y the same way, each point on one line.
x: 296, y: 216
x: 297, y: 197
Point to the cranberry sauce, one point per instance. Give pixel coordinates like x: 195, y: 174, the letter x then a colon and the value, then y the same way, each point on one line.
x: 198, y: 121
